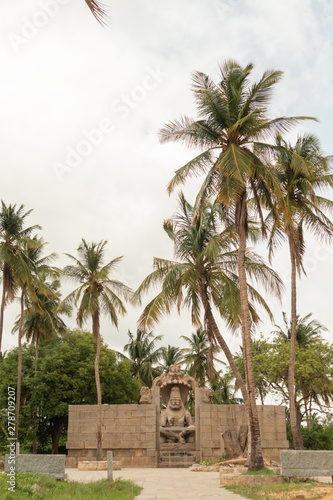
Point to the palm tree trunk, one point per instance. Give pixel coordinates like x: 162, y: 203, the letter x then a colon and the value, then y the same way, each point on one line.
x: 292, y: 355
x: 34, y: 438
x: 96, y: 335
x: 2, y: 312
x: 211, y: 323
x: 19, y: 370
x: 256, y: 461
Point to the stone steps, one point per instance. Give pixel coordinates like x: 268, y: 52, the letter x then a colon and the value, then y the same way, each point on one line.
x: 176, y: 460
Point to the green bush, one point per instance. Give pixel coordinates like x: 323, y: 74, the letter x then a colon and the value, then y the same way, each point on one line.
x: 318, y: 437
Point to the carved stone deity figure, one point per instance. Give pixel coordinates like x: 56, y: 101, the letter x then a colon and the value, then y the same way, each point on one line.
x: 176, y: 421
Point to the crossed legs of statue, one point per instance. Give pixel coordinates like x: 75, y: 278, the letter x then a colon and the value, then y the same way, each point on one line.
x: 178, y: 436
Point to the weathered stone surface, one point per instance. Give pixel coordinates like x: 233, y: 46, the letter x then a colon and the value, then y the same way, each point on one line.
x: 92, y: 465
x: 50, y: 465
x: 306, y: 463
x: 231, y: 443
x: 109, y: 457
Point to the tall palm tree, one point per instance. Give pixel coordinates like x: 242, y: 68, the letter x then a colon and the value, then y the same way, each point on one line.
x: 96, y: 294
x: 196, y: 357
x: 143, y: 355
x: 204, y: 274
x: 302, y: 172
x: 232, y: 120
x: 40, y: 319
x: 15, y: 238
x: 170, y: 355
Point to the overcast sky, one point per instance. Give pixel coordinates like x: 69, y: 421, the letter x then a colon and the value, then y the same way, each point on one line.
x: 81, y: 106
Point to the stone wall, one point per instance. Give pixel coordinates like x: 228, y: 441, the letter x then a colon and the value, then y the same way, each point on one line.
x: 129, y: 431
x: 306, y: 463
x: 51, y: 465
x: 215, y: 419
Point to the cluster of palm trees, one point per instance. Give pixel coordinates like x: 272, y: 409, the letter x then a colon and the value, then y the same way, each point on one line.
x: 148, y: 361
x: 253, y: 188
x: 254, y: 182
x: 26, y: 272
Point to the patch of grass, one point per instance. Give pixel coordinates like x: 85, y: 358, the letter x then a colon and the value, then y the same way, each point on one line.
x: 212, y: 461
x: 63, y: 490
x: 285, y: 490
x: 262, y: 472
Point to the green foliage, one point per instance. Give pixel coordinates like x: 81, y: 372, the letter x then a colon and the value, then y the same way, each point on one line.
x: 222, y: 390
x: 65, y: 376
x: 170, y: 355
x: 205, y: 251
x: 62, y: 490
x: 313, y: 371
x: 142, y: 356
x: 212, y: 461
x: 196, y: 356
x: 318, y: 437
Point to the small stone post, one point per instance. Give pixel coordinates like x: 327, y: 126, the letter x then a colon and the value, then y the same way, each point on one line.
x: 110, y: 467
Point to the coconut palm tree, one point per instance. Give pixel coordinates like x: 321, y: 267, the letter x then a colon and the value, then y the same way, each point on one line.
x: 40, y: 319
x: 142, y: 356
x: 96, y: 294
x: 302, y: 171
x: 232, y: 120
x: 204, y: 274
x: 223, y: 390
x: 14, y: 241
x: 170, y: 355
x: 308, y: 331
x: 196, y: 357
x: 33, y: 292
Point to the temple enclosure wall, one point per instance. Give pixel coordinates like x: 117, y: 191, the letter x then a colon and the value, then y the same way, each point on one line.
x: 129, y: 431
x: 132, y: 431
x: 213, y: 420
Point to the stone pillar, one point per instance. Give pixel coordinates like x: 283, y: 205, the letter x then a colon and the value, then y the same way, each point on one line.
x: 110, y: 466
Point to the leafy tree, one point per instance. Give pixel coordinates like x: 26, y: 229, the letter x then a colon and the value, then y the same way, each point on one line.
x: 313, y: 374
x: 65, y: 377
x: 318, y: 436
x: 232, y: 120
x: 142, y: 356
x: 302, y: 172
x: 96, y: 293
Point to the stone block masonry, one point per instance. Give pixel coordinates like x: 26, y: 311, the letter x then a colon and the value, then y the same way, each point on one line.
x: 216, y: 419
x: 306, y: 463
x: 50, y: 465
x: 127, y: 430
